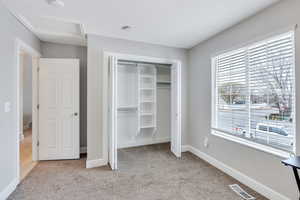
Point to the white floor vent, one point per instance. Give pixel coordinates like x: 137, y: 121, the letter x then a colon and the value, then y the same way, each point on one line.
x: 242, y: 193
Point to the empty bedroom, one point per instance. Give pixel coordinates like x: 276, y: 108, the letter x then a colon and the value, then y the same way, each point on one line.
x: 149, y: 100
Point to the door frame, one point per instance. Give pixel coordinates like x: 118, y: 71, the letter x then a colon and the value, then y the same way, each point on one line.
x: 105, y: 78
x: 21, y: 46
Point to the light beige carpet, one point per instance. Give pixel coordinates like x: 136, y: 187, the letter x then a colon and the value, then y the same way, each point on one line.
x: 145, y: 173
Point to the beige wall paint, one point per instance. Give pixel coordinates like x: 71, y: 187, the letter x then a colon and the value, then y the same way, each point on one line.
x: 262, y: 167
x: 96, y: 46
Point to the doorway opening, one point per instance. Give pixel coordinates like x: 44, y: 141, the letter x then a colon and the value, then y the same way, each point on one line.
x: 143, y: 107
x: 26, y: 111
x: 26, y: 161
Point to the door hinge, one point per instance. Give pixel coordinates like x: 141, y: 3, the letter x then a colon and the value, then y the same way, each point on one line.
x: 38, y: 143
x: 38, y: 106
x: 38, y: 69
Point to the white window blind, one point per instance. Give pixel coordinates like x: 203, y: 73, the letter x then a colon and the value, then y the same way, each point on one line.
x: 254, y: 95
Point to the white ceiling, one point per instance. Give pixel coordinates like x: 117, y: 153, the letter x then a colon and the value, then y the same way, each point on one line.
x: 177, y: 23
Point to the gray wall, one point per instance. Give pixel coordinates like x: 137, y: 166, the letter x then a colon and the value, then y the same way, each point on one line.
x: 53, y: 50
x: 27, y: 89
x: 10, y: 30
x: 96, y: 46
x: 263, y: 167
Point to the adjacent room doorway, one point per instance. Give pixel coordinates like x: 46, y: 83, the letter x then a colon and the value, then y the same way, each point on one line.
x: 47, y: 109
x: 26, y: 149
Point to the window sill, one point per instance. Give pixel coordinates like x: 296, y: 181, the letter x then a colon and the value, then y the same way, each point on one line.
x: 257, y: 146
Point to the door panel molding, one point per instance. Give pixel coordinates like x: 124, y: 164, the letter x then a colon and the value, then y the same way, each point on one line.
x: 58, y: 109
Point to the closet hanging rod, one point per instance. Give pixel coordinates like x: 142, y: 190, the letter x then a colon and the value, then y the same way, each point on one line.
x: 162, y: 66
x: 127, y: 63
x: 166, y: 87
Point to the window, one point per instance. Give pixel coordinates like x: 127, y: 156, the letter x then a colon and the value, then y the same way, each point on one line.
x: 254, y: 93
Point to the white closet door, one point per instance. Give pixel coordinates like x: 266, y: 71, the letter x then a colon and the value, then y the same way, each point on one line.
x: 176, y: 110
x: 112, y: 118
x: 58, y: 109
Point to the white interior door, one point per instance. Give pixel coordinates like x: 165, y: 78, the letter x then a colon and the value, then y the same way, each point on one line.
x: 176, y: 110
x: 112, y: 118
x: 58, y: 109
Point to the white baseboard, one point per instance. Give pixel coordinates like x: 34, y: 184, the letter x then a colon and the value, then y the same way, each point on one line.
x: 143, y: 142
x: 184, y: 148
x: 246, y: 180
x: 83, y: 149
x: 95, y: 163
x: 8, y: 190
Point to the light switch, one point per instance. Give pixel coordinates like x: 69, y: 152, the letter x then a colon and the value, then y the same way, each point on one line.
x: 206, y: 142
x: 7, y: 107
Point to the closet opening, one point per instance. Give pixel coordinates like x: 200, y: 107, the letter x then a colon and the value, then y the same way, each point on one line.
x: 144, y: 109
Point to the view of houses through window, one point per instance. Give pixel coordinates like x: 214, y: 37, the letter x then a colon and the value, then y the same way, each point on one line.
x: 254, y: 92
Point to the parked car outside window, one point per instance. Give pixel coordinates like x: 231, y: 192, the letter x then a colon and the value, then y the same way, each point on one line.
x: 273, y: 134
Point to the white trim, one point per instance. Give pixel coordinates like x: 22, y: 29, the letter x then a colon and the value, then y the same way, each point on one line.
x: 35, y: 111
x: 21, y: 138
x: 294, y: 92
x: 176, y: 118
x: 4, y: 194
x: 82, y: 30
x: 95, y: 163
x: 27, y: 48
x: 246, y: 180
x: 23, y: 21
x: 141, y: 58
x: 20, y: 47
x: 144, y: 142
x: 83, y: 149
x: 185, y: 148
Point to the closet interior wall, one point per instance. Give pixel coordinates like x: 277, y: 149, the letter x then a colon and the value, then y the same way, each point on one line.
x: 144, y: 104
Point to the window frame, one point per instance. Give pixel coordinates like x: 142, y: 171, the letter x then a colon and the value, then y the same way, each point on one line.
x: 228, y: 136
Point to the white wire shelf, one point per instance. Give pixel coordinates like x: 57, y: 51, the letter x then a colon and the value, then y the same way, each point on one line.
x: 163, y: 82
x: 147, y: 76
x: 147, y: 113
x: 148, y: 126
x: 147, y: 101
x: 130, y: 107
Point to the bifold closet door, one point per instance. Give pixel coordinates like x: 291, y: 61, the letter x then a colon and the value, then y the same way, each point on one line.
x: 176, y: 110
x: 112, y: 115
